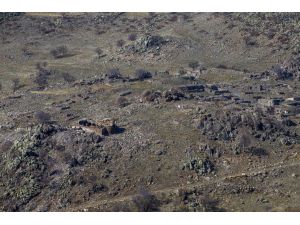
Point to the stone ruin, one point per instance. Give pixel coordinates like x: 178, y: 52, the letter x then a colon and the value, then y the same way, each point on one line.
x: 104, y: 127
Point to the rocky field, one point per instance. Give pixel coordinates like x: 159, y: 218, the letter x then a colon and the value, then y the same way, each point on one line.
x: 149, y: 111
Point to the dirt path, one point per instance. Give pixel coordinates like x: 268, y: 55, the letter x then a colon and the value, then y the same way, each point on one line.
x: 96, y: 202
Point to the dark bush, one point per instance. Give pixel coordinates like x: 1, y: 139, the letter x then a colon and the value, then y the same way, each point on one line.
x: 99, y: 188
x: 122, y: 101
x: 100, y: 31
x: 146, y: 202
x: 16, y: 84
x: 68, y: 77
x: 41, y: 65
x: 1, y: 86
x: 132, y: 37
x: 99, y: 52
x: 42, y: 117
x: 27, y: 52
x: 60, y: 52
x: 221, y: 66
x: 257, y: 151
x: 120, y: 43
x: 194, y: 64
x: 250, y: 41
x: 182, y: 71
x: 154, y: 41
x: 41, y: 78
x: 143, y: 74
x: 113, y: 73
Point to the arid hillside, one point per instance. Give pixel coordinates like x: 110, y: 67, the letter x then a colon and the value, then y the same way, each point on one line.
x: 149, y: 111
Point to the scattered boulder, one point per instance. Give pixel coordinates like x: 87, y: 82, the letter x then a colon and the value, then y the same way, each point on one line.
x: 200, y: 166
x: 149, y: 42
x: 226, y: 125
x: 153, y: 41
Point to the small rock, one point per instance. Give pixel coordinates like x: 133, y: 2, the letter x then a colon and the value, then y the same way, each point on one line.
x: 124, y: 93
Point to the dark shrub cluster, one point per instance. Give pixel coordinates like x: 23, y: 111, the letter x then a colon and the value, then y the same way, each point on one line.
x: 143, y: 74
x: 154, y: 41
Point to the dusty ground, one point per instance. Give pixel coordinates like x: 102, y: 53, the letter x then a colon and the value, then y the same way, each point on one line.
x: 222, y: 147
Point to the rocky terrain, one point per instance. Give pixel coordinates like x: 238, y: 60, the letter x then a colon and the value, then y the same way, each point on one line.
x: 149, y: 112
